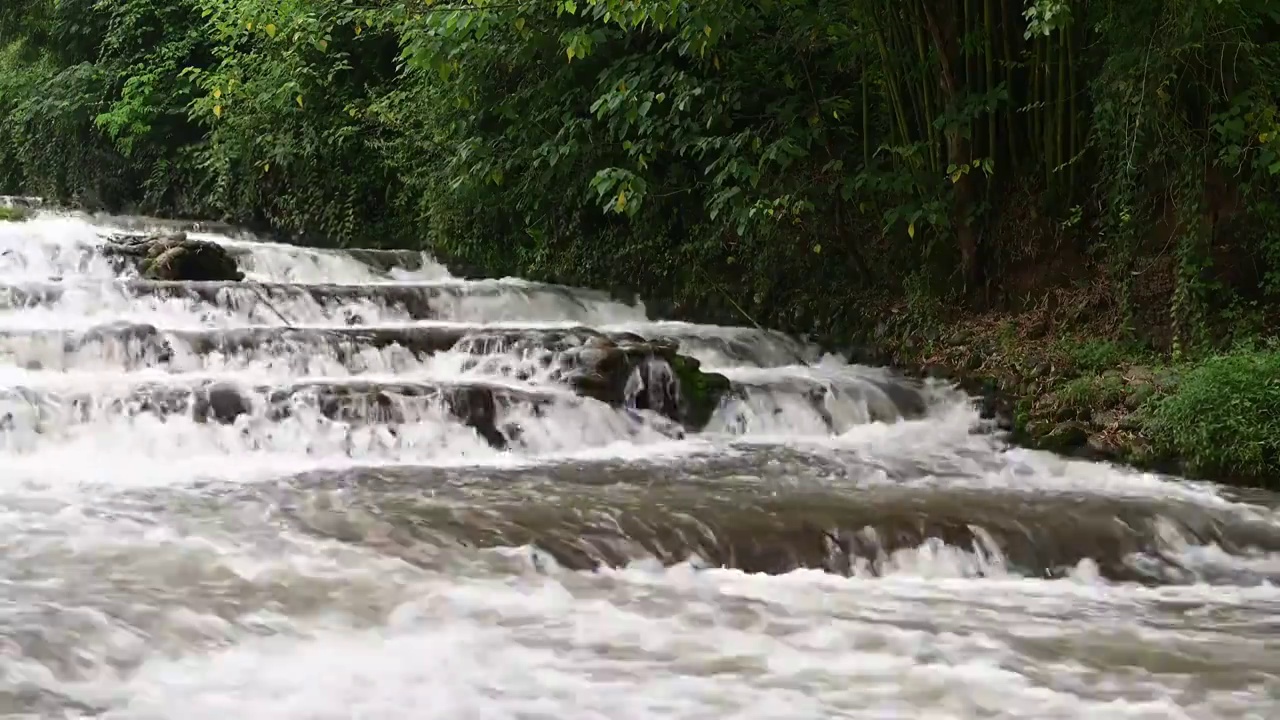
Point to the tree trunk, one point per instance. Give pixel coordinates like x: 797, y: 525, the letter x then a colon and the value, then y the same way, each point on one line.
x: 943, y: 24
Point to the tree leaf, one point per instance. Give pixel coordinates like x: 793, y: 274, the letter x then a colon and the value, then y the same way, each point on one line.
x: 271, y: 30
x: 911, y: 229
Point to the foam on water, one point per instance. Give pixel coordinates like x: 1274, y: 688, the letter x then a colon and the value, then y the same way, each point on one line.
x: 153, y: 567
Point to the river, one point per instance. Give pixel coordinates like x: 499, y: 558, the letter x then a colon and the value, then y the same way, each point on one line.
x: 813, y: 553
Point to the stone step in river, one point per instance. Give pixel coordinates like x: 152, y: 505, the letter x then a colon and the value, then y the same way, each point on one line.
x: 353, y: 484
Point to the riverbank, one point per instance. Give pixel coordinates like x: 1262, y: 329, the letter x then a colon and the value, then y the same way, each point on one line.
x: 1072, y: 389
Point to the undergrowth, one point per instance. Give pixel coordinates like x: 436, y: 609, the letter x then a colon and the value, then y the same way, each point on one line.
x: 1223, y: 417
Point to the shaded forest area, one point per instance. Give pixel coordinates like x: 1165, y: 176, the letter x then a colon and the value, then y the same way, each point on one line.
x: 904, y: 174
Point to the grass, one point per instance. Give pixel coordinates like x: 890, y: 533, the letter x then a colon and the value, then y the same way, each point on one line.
x: 10, y: 214
x: 1223, y: 417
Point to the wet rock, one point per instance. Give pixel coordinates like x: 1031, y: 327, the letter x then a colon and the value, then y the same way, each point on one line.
x: 1066, y: 436
x: 220, y: 403
x: 478, y: 409
x: 192, y: 261
x: 634, y: 375
x: 700, y: 392
x: 907, y: 400
x: 937, y: 371
x: 174, y: 257
x: 387, y: 260
x: 645, y: 375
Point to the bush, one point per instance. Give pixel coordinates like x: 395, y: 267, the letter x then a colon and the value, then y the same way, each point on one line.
x: 1224, y: 416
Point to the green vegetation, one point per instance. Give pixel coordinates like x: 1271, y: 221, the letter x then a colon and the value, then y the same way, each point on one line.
x: 868, y: 171
x: 8, y: 214
x: 1225, y: 415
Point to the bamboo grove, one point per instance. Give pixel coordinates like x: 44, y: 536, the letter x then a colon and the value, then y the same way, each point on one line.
x: 800, y: 162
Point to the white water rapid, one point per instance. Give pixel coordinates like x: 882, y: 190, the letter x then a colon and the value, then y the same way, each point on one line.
x: 836, y: 543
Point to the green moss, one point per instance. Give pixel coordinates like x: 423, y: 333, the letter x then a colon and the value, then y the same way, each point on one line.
x: 700, y: 392
x: 10, y: 214
x: 1223, y: 417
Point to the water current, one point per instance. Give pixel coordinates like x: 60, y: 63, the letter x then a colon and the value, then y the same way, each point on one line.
x: 837, y: 543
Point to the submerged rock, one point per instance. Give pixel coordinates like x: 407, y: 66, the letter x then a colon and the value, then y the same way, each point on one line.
x: 477, y: 406
x: 174, y: 256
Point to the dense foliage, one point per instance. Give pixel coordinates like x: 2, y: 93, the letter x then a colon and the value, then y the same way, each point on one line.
x: 809, y: 164
x: 1225, y: 416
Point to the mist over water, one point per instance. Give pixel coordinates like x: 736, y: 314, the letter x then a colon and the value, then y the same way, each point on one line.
x: 838, y: 542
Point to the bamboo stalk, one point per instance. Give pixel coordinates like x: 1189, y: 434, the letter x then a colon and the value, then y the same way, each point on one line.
x: 968, y: 24
x: 1074, y: 145
x: 1064, y: 120
x: 866, y: 123
x: 1048, y: 117
x: 930, y: 109
x: 892, y: 86
x: 989, y: 80
x: 1034, y: 112
x: 1011, y: 115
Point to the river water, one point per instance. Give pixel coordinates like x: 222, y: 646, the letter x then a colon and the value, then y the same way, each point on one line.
x: 823, y: 550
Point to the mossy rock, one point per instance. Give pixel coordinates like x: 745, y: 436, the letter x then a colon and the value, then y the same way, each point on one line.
x: 700, y: 392
x: 190, y: 260
x: 13, y: 214
x: 1063, y: 437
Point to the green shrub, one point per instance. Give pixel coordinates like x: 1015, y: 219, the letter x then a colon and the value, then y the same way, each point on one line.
x: 1223, y: 417
x: 8, y: 214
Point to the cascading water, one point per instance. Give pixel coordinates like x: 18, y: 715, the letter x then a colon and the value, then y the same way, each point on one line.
x: 356, y: 486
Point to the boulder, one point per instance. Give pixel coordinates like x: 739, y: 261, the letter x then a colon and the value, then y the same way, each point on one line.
x: 174, y: 256
x: 220, y: 403
x: 646, y: 375
x: 1066, y: 437
x: 700, y: 392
